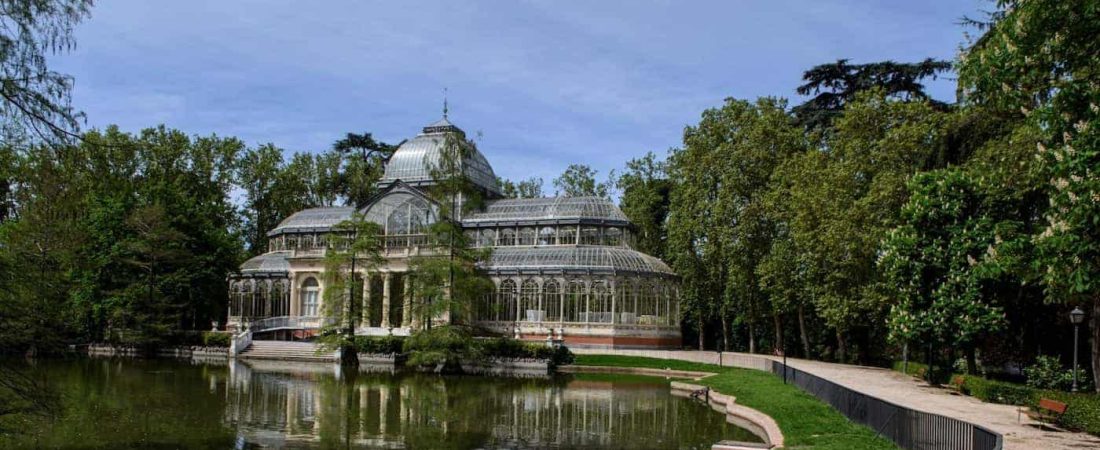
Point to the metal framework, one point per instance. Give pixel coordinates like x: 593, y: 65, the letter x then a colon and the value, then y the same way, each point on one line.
x: 413, y: 161
x: 553, y: 209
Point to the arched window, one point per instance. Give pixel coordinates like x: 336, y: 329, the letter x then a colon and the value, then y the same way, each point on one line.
x: 546, y: 236
x: 567, y: 235
x: 551, y: 300
x: 311, y: 298
x: 574, y: 302
x: 488, y: 237
x: 647, y: 304
x: 590, y: 236
x: 613, y: 237
x: 506, y: 237
x: 599, y: 304
x: 280, y: 298
x: 526, y: 236
x: 412, y: 216
x: 506, y: 301
x: 529, y: 302
x: 398, y: 221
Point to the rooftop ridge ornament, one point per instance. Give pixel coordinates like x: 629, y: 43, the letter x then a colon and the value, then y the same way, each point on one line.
x: 444, y: 103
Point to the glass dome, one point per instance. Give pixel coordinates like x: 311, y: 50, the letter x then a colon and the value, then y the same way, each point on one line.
x: 582, y: 259
x: 412, y: 161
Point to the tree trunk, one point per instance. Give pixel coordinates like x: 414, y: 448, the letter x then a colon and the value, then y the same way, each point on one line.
x: 752, y: 336
x: 778, y: 346
x: 1094, y: 323
x: 802, y: 332
x: 725, y: 333
x: 971, y: 360
x: 701, y: 328
x: 841, y: 350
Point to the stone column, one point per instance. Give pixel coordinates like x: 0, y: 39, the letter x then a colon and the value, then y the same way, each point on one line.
x: 294, y: 295
x: 365, y: 320
x: 386, y: 278
x: 406, y: 305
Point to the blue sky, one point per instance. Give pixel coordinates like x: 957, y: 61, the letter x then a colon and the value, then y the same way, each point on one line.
x: 546, y: 83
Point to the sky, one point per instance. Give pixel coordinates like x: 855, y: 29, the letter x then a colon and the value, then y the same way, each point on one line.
x: 542, y: 83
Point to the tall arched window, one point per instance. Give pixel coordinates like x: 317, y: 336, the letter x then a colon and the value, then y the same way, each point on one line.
x: 600, y: 303
x: 551, y: 300
x: 529, y: 302
x: 574, y: 302
x: 311, y: 297
x: 647, y: 304
x: 506, y: 237
x: 506, y: 303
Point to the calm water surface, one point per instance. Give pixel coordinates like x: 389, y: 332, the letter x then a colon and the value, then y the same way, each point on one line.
x: 120, y: 403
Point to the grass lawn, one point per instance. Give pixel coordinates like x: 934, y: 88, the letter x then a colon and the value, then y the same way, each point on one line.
x: 806, y: 421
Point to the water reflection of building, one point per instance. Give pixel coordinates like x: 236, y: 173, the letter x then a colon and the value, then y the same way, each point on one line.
x: 278, y: 408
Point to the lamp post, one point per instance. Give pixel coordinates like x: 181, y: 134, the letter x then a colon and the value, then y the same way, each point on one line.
x: 1076, y: 316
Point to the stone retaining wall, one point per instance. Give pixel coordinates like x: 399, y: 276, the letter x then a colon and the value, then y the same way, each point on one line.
x: 180, y: 352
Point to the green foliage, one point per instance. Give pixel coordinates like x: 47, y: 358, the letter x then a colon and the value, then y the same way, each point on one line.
x: 443, y: 348
x: 1048, y: 373
x: 216, y: 339
x: 354, y: 247
x: 379, y: 345
x: 834, y: 85
x: 579, y: 180
x: 34, y: 100
x: 645, y: 188
x: 1039, y: 58
x: 509, y: 348
x: 529, y: 188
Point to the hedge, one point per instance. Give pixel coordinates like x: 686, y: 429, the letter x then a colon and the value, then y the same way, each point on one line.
x: 379, y: 345
x: 1082, y: 414
x: 215, y: 339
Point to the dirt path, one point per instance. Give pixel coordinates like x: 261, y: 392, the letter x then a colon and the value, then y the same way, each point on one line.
x: 1022, y: 434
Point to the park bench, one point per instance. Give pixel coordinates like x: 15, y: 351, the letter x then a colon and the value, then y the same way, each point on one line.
x: 957, y: 382
x: 1048, y: 411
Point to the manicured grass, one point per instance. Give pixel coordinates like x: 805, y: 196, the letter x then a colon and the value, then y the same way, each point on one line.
x: 806, y: 422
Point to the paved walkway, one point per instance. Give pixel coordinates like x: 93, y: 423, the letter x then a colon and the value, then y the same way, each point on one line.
x: 906, y: 391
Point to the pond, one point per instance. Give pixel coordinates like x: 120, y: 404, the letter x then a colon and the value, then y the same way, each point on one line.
x: 125, y: 403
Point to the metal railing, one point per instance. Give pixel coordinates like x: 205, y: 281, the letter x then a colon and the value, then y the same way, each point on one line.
x: 909, y: 429
x: 289, y: 322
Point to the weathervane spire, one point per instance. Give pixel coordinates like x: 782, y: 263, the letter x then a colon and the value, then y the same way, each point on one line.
x: 444, y: 103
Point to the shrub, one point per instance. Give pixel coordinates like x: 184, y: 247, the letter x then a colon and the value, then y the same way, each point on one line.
x: 215, y: 339
x: 506, y: 347
x: 1002, y: 392
x: 442, y: 347
x: 1083, y: 412
x: 379, y: 345
x: 1048, y: 373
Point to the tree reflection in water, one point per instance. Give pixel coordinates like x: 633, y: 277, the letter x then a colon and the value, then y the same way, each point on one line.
x: 277, y: 404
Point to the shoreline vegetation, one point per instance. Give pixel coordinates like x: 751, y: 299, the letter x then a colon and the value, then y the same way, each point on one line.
x: 804, y: 420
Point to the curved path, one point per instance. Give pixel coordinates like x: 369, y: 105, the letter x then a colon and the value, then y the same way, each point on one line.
x: 903, y: 390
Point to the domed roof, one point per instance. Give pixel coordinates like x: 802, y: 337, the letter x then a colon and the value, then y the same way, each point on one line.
x: 413, y: 160
x: 270, y: 263
x: 313, y: 219
x: 575, y: 259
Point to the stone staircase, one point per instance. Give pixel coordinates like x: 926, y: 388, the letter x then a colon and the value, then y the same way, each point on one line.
x: 286, y: 351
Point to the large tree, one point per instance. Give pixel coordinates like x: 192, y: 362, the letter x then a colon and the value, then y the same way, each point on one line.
x: 1039, y: 58
x: 834, y: 85
x: 645, y: 199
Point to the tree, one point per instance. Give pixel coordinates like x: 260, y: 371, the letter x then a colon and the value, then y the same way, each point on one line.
x: 834, y: 85
x: 354, y: 246
x: 364, y: 161
x: 529, y: 188
x: 645, y: 199
x: 154, y: 247
x: 943, y: 263
x: 1039, y: 58
x: 34, y: 98
x: 579, y: 180
x: 449, y: 281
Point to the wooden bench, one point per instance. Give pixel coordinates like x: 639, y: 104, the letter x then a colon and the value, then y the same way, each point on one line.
x: 1047, y: 412
x: 957, y: 382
